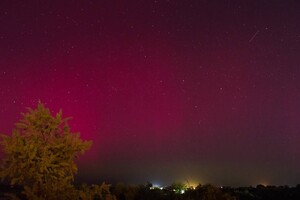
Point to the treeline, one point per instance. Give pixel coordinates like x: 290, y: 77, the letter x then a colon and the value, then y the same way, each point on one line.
x: 176, y: 191
x: 265, y: 192
x: 179, y: 191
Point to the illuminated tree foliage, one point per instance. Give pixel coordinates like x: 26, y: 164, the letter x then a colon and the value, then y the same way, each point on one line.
x: 40, y: 155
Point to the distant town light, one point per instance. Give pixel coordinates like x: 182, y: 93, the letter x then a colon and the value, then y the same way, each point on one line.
x: 156, y: 186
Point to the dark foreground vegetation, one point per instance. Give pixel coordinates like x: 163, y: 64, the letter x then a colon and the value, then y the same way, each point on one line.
x: 205, y: 192
x: 121, y: 191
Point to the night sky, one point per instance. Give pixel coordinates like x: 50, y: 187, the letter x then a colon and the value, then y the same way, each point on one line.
x: 198, y: 91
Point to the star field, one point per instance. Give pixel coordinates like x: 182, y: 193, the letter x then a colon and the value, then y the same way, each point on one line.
x: 205, y: 91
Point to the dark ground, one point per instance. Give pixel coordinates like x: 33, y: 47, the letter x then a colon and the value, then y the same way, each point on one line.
x: 207, y: 192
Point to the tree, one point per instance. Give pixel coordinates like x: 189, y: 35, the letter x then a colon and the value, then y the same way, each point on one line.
x: 40, y: 155
x: 210, y: 192
x: 178, y: 188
